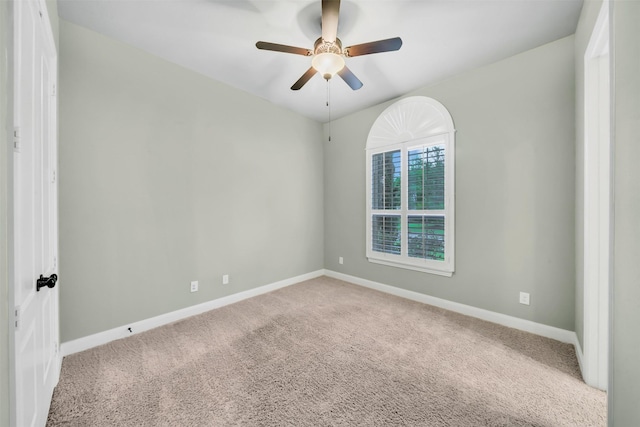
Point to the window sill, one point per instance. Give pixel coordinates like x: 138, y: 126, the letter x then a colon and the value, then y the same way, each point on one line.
x: 411, y: 267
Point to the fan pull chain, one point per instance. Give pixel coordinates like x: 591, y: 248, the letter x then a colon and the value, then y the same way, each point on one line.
x: 329, y: 106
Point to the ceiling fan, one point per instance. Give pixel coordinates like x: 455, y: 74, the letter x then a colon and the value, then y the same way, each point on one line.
x: 328, y: 53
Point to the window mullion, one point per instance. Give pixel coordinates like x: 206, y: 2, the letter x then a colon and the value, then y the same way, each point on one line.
x: 386, y: 212
x: 404, y: 202
x: 429, y: 212
x: 384, y: 193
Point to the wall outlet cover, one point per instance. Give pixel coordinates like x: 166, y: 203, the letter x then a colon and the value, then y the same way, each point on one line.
x: 524, y: 298
x: 194, y: 286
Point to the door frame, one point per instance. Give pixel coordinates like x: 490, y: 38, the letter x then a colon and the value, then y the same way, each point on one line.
x: 598, y: 202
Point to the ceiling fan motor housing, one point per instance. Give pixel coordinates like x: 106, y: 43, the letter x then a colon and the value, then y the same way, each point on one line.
x: 323, y: 46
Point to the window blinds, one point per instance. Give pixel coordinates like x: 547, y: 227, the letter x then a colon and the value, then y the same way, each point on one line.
x: 425, y: 228
x: 426, y: 178
x: 386, y: 171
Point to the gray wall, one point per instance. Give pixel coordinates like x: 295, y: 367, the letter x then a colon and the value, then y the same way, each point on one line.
x: 624, y: 388
x: 588, y: 16
x: 514, y: 189
x: 6, y: 184
x: 167, y: 176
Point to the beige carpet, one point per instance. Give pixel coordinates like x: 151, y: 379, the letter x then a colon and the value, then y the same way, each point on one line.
x: 327, y: 353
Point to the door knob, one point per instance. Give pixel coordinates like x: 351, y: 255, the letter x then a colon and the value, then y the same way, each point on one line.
x: 49, y: 282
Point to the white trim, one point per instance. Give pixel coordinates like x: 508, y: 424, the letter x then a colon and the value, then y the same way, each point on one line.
x: 408, y: 266
x: 85, y: 343
x: 100, y: 338
x: 552, y: 332
x: 597, y: 202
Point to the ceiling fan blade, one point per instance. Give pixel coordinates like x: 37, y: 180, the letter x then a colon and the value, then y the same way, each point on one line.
x: 304, y: 79
x: 330, y: 13
x: 374, y: 47
x: 350, y: 78
x: 284, y: 48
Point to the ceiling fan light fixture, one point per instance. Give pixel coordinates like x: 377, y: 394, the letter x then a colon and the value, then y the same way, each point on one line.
x: 328, y: 54
x: 327, y: 64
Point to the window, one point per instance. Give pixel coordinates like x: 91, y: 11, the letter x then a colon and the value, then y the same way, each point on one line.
x: 410, y: 173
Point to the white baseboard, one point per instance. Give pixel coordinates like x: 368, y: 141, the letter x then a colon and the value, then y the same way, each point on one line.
x: 558, y: 334
x: 100, y: 338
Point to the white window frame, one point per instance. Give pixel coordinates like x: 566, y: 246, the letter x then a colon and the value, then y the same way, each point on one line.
x: 410, y: 123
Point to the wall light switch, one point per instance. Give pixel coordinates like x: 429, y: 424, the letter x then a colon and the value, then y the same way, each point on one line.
x: 341, y: 260
x: 225, y: 279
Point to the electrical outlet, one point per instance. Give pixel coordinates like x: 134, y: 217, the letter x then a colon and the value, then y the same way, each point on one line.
x: 194, y: 286
x: 225, y: 279
x: 341, y: 260
x: 524, y: 298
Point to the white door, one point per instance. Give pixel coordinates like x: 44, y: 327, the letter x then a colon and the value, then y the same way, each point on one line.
x: 36, y: 360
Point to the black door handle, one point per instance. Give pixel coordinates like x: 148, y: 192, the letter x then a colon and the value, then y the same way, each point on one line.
x: 49, y: 282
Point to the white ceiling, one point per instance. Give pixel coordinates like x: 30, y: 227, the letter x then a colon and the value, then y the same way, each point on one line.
x: 217, y: 38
